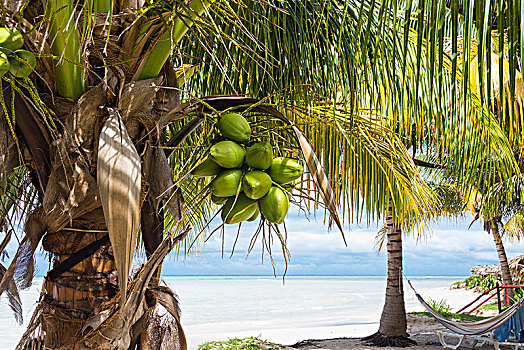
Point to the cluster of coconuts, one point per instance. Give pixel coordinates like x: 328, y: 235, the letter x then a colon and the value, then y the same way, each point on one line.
x: 13, y: 58
x: 249, y: 170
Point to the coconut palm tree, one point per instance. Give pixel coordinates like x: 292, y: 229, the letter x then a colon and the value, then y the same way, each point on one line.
x: 97, y: 141
x: 447, y: 38
x: 503, y: 205
x: 503, y: 197
x: 499, y: 198
x: 458, y: 201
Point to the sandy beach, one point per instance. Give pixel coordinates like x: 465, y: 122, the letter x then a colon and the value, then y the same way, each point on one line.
x: 421, y: 328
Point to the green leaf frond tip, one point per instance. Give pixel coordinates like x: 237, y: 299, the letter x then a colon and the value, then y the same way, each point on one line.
x: 367, y: 163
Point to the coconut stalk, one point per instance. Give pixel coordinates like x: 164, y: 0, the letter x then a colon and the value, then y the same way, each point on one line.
x: 150, y: 67
x: 65, y: 45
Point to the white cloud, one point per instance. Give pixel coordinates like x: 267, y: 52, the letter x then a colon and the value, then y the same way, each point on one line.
x: 450, y: 249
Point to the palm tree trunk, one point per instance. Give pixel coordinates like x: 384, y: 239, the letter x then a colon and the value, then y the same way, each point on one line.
x: 80, y: 306
x: 80, y: 299
x: 504, y: 264
x: 393, y: 320
x: 78, y: 294
x: 393, y: 324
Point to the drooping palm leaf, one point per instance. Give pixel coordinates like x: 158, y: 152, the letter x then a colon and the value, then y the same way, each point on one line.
x: 119, y: 180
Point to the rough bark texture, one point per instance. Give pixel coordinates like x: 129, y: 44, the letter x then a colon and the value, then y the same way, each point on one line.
x: 393, y: 324
x: 79, y: 294
x: 504, y: 264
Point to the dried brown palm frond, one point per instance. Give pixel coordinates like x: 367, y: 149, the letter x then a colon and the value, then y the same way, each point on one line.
x: 12, y: 290
x: 119, y: 178
x: 516, y: 266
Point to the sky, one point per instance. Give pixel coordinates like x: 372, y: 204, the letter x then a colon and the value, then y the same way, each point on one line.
x: 449, y: 249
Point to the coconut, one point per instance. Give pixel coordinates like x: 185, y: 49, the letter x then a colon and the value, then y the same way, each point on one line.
x: 285, y: 170
x: 227, y: 154
x: 218, y: 200
x: 259, y: 155
x: 234, y: 127
x: 274, y: 205
x: 255, y: 184
x: 207, y: 168
x: 10, y: 39
x: 227, y: 183
x: 22, y: 66
x: 254, y: 216
x: 238, y: 209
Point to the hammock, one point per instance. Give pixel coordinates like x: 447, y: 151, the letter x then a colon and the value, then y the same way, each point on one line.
x: 473, y: 328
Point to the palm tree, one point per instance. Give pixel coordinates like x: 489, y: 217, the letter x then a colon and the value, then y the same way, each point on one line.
x: 500, y: 196
x: 503, y: 197
x: 446, y: 39
x: 393, y: 321
x: 456, y: 201
x: 503, y: 202
x: 100, y: 139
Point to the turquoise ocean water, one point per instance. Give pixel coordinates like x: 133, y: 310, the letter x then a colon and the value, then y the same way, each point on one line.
x: 301, y: 307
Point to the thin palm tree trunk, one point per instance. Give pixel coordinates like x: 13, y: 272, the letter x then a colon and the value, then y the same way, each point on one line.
x: 393, y: 323
x: 504, y: 264
x: 393, y: 320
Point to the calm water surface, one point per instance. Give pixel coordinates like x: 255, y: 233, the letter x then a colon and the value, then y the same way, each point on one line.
x: 216, y: 308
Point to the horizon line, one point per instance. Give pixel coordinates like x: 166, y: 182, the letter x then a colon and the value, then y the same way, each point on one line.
x: 280, y: 276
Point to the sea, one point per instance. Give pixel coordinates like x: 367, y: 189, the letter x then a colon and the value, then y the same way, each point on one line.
x: 282, y: 311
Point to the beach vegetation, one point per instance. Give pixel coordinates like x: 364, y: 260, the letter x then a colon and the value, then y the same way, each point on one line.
x: 440, y: 306
x: 484, y: 283
x: 489, y: 306
x: 453, y: 316
x: 250, y: 343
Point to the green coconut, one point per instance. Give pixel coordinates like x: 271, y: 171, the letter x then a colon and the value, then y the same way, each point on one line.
x: 22, y: 66
x: 227, y: 154
x: 274, y: 205
x: 4, y: 64
x: 207, y: 168
x: 234, y: 127
x: 284, y: 170
x: 227, y: 183
x: 255, y: 184
x: 254, y: 216
x: 218, y: 200
x: 260, y: 155
x: 240, y: 210
x: 10, y: 39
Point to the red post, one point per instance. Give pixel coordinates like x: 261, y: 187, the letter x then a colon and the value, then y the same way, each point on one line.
x: 507, y: 294
x: 498, y: 298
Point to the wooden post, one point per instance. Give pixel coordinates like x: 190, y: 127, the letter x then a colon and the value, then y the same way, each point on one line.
x: 507, y: 294
x: 498, y: 298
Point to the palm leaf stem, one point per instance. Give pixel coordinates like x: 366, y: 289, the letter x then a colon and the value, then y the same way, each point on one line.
x: 151, y: 67
x: 65, y: 44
